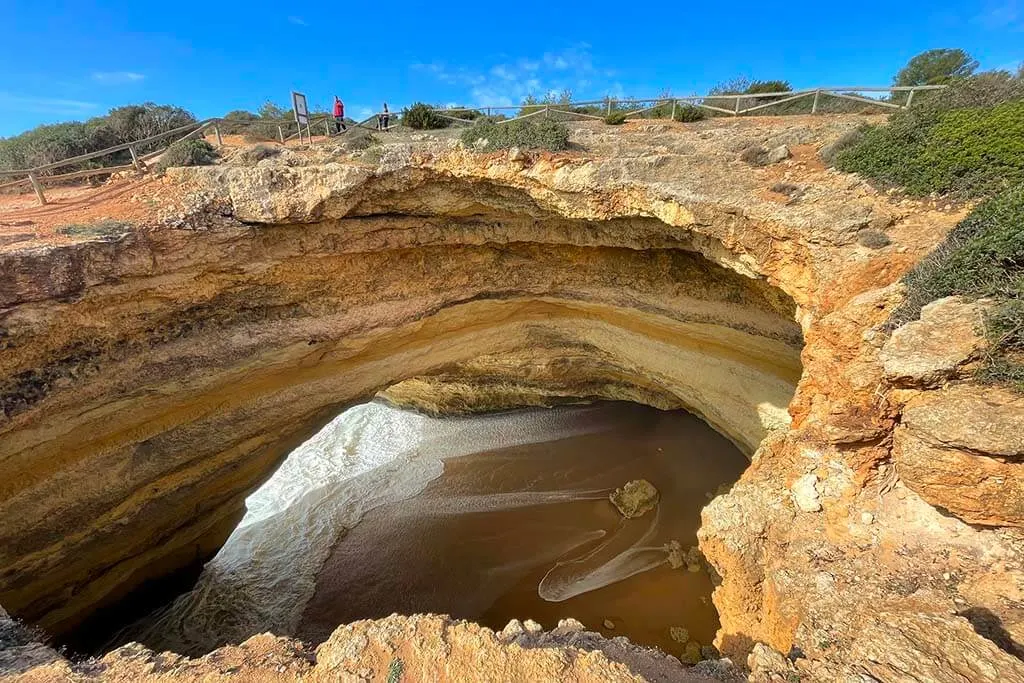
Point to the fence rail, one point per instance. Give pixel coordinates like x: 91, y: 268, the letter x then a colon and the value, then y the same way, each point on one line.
x: 32, y: 175
x: 702, y: 101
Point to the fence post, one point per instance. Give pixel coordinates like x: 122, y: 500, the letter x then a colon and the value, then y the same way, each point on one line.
x: 38, y: 188
x: 547, y: 112
x: 609, y: 105
x: 135, y: 159
x: 814, y: 106
x: 736, y: 109
x: 216, y: 131
x: 910, y: 98
x: 327, y: 127
x: 280, y: 134
x: 673, y: 110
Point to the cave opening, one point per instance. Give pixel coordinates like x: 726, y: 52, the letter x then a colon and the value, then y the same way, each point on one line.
x: 487, y: 517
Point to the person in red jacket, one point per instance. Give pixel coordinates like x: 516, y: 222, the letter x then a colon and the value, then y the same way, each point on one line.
x: 339, y: 115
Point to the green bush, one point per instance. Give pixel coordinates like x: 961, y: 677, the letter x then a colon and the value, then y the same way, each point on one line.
x: 847, y: 140
x: 688, y: 113
x: 933, y: 67
x: 526, y: 134
x: 422, y: 116
x: 616, y: 118
x: 465, y: 114
x: 50, y: 143
x: 967, y: 152
x: 192, y: 152
x: 758, y: 87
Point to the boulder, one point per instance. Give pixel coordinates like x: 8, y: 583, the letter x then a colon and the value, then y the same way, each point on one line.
x: 931, y: 350
x: 777, y: 154
x: 930, y: 647
x: 635, y: 499
x: 962, y: 450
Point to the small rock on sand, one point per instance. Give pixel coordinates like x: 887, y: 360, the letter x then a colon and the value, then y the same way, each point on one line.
x: 609, y: 624
x: 691, y: 653
x: 675, y: 554
x: 635, y: 499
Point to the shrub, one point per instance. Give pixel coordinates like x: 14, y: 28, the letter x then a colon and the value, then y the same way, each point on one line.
x: 688, y: 113
x: 237, y: 122
x: 968, y: 152
x: 465, y: 114
x: 50, y: 143
x: 422, y: 117
x: 192, y: 152
x: 758, y: 87
x: 616, y: 118
x: 527, y: 134
x: 846, y: 140
x: 936, y: 66
x: 966, y: 140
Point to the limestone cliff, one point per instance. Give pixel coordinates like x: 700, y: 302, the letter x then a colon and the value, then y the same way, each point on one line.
x: 150, y: 380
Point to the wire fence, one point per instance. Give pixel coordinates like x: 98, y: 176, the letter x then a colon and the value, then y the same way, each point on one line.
x: 809, y: 101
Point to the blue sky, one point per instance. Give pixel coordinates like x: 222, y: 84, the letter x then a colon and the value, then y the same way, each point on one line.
x: 72, y: 60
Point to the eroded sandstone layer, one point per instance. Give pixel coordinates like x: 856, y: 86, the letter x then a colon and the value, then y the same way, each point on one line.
x: 149, y: 381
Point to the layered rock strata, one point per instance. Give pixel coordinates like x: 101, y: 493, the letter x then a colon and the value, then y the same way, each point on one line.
x: 150, y: 382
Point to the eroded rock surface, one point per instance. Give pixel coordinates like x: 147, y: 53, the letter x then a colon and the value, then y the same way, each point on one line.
x: 931, y: 350
x: 151, y: 379
x: 962, y: 450
x: 635, y: 498
x: 413, y: 648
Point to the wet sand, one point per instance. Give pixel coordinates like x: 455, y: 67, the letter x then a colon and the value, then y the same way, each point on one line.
x: 500, y: 528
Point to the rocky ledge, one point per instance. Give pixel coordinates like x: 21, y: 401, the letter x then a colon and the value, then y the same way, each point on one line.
x: 151, y: 379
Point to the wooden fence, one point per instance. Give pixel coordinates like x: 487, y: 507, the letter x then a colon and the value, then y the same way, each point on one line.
x: 816, y: 95
x: 33, y: 175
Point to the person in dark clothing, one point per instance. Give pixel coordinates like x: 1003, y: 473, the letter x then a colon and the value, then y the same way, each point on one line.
x: 339, y: 115
x: 382, y: 118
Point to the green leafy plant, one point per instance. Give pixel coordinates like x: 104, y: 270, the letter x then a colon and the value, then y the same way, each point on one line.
x: 616, y: 118
x: 192, y: 152
x: 395, y: 670
x: 524, y: 133
x: 849, y: 139
x: 967, y: 140
x: 934, y: 67
x: 687, y: 113
x: 53, y: 142
x: 422, y: 116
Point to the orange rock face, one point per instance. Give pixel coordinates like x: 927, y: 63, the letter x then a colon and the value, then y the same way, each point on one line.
x: 150, y: 379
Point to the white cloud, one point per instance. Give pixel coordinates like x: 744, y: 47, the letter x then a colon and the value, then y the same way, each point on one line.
x: 45, y: 105
x: 116, y: 77
x: 507, y: 83
x: 298, y: 21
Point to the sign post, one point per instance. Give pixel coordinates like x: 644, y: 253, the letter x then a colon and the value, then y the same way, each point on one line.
x: 301, y: 114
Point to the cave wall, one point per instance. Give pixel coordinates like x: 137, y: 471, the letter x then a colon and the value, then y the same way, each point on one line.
x: 150, y: 383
